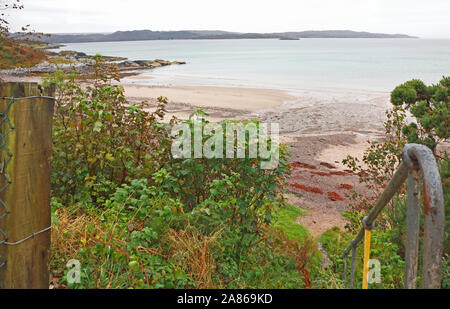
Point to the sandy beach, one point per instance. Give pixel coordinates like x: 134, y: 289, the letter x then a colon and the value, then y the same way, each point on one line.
x: 244, y: 99
x: 306, y: 112
x: 238, y: 145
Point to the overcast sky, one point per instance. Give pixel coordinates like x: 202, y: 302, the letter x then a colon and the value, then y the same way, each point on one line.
x: 424, y: 18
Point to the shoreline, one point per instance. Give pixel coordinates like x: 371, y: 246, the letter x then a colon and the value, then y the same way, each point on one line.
x: 299, y: 112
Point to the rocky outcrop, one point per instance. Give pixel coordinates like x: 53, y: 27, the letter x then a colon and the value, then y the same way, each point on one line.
x: 74, y: 56
x: 50, y: 46
x: 69, y: 60
x: 145, y: 64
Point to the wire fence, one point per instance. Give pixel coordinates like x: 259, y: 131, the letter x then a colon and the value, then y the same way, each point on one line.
x: 5, y: 121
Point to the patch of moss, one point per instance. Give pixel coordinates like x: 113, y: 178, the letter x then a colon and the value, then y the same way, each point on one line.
x: 285, y: 220
x: 59, y: 60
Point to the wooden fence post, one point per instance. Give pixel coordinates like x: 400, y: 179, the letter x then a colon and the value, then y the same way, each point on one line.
x: 28, y: 195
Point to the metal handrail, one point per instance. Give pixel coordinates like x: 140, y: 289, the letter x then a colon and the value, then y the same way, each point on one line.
x: 418, y: 160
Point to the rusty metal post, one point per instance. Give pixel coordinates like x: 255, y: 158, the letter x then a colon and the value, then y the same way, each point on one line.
x: 415, y: 157
x: 345, y: 269
x: 434, y: 214
x: 412, y: 230
x: 352, y: 268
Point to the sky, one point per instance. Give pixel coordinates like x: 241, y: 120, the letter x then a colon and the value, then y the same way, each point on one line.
x: 426, y: 19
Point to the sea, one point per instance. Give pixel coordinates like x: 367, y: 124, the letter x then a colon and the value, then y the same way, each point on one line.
x: 315, y: 64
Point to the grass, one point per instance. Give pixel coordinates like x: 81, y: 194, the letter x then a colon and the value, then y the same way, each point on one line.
x: 382, y: 248
x: 107, y: 260
x: 285, y: 220
x: 303, y: 247
x: 335, y: 240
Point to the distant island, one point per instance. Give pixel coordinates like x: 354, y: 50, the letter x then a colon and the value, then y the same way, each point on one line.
x: 289, y: 39
x: 138, y: 35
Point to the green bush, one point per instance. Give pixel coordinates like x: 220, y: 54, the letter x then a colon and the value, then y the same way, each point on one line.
x: 99, y: 140
x: 430, y: 106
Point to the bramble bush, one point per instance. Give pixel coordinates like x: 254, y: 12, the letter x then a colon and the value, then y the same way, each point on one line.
x: 99, y: 140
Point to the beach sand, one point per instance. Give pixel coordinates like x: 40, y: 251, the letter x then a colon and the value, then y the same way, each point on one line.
x: 244, y: 99
x: 306, y: 112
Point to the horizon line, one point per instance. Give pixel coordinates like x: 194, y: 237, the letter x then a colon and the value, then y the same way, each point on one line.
x: 230, y: 31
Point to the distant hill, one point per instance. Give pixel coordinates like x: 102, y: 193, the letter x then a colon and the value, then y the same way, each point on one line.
x: 137, y: 35
x: 344, y: 34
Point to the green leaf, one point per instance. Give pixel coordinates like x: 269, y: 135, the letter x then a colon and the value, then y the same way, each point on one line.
x: 109, y: 157
x: 97, y: 126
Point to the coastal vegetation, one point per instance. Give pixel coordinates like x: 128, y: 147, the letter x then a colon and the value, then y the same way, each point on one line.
x: 26, y: 53
x: 136, y: 217
x: 35, y: 59
x: 15, y: 52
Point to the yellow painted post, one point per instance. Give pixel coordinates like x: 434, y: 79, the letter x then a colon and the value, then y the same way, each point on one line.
x: 367, y: 234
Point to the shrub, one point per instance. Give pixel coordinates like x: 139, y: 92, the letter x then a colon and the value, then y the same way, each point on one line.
x: 430, y: 106
x: 101, y: 141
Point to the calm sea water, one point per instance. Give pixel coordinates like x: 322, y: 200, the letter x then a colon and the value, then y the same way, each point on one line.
x: 363, y: 64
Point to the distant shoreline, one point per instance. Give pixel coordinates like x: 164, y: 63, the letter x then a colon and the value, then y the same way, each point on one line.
x: 140, y: 35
